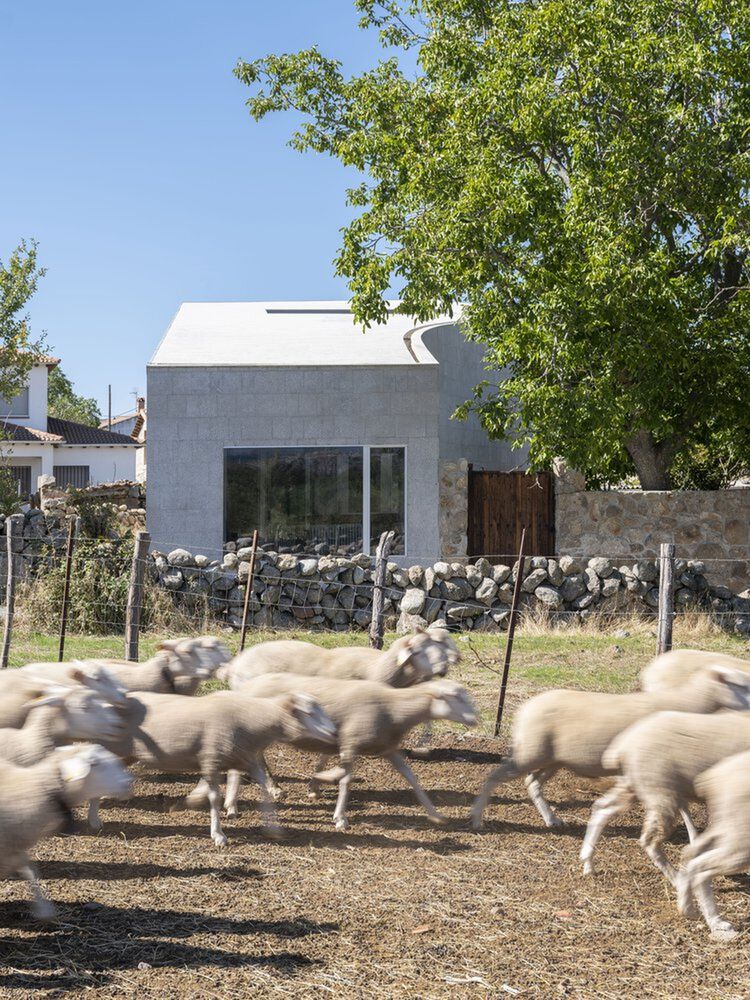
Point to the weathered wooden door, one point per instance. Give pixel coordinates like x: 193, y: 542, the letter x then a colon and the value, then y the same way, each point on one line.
x: 501, y: 504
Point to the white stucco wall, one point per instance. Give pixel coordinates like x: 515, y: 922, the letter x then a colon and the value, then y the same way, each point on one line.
x: 107, y: 463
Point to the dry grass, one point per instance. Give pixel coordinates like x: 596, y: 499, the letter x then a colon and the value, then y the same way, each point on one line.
x: 393, y: 908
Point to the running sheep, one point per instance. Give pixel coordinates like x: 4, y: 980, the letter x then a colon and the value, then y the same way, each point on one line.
x: 221, y: 731
x: 179, y: 666
x: 671, y: 669
x: 659, y: 760
x: 572, y: 730
x: 19, y: 689
x: 371, y: 720
x: 37, y: 801
x: 724, y: 846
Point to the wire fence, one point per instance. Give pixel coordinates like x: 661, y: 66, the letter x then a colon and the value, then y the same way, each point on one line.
x: 192, y: 595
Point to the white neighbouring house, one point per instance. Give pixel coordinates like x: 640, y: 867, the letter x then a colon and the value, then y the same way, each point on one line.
x: 35, y: 444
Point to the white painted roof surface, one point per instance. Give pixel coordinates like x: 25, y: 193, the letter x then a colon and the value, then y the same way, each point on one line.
x: 288, y: 333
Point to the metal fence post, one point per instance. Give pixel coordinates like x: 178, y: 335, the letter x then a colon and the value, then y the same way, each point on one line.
x: 135, y: 595
x: 666, y: 599
x: 12, y: 532
x: 511, y: 631
x: 248, y: 589
x: 377, y: 625
x: 72, y: 535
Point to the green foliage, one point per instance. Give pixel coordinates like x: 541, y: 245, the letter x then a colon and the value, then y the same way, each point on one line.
x: 9, y: 499
x: 18, y: 282
x: 576, y: 172
x: 65, y: 404
x: 98, y: 518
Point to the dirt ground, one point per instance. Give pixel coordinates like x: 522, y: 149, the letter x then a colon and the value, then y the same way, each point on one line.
x: 392, y: 908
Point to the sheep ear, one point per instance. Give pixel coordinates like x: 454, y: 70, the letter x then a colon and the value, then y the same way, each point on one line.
x: 75, y: 768
x: 300, y: 703
x: 53, y: 698
x: 440, y: 708
x: 168, y: 644
x: 405, y: 653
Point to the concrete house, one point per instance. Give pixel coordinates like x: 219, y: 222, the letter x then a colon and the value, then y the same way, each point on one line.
x: 289, y: 418
x: 35, y: 444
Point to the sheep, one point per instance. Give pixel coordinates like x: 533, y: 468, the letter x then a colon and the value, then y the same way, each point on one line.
x: 659, y: 759
x: 371, y: 720
x: 220, y: 731
x: 724, y: 846
x: 178, y: 667
x: 572, y: 729
x: 37, y: 801
x: 410, y: 660
x: 19, y: 689
x: 677, y: 666
x: 60, y: 715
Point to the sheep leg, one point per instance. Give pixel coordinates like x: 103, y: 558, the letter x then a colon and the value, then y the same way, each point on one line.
x: 198, y: 797
x: 422, y: 746
x: 339, y: 814
x: 690, y: 826
x: 42, y: 908
x: 534, y: 783
x: 94, y: 820
x: 603, y: 811
x: 234, y: 781
x: 698, y: 879
x: 506, y: 771
x: 270, y: 820
x: 214, y: 802
x: 313, y: 788
x: 403, y: 768
x: 656, y: 830
x: 272, y: 786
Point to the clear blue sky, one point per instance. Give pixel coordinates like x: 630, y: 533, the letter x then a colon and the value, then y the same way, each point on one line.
x: 129, y: 155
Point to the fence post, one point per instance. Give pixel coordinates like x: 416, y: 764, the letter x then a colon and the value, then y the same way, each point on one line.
x: 12, y: 532
x: 377, y: 625
x: 135, y: 595
x: 248, y: 589
x: 511, y: 631
x: 666, y: 598
x: 72, y: 535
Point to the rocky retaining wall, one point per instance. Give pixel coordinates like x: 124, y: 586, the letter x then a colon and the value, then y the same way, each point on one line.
x: 334, y: 592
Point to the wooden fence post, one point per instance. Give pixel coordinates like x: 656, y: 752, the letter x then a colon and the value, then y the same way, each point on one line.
x: 248, y: 590
x: 12, y: 532
x: 377, y: 624
x: 511, y: 631
x: 666, y: 598
x: 135, y: 595
x: 72, y: 535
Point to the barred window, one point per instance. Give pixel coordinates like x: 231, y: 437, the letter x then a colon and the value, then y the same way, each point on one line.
x: 77, y: 476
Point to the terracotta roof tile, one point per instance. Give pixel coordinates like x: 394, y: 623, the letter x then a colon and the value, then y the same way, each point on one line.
x: 17, y: 433
x: 73, y: 433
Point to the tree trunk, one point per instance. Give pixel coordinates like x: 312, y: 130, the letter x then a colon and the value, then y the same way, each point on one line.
x: 652, y: 461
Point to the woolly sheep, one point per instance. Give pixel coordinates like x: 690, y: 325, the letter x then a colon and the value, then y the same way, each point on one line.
x: 572, y: 729
x: 410, y: 660
x: 178, y: 667
x: 724, y: 846
x: 60, y: 715
x: 659, y: 760
x: 220, y: 731
x: 677, y: 666
x: 19, y: 689
x: 37, y: 801
x: 371, y: 720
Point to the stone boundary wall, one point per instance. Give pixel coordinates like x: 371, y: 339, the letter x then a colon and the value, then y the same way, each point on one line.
x: 710, y: 526
x: 333, y: 592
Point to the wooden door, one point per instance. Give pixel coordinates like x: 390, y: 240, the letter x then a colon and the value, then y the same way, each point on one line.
x: 501, y: 504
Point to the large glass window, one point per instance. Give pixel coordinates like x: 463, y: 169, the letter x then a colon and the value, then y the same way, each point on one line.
x: 314, y: 499
x: 387, y: 495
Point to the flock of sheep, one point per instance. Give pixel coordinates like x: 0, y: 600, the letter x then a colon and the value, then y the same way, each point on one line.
x: 68, y: 732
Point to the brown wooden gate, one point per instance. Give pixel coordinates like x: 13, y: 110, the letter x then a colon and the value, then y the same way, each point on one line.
x: 500, y: 504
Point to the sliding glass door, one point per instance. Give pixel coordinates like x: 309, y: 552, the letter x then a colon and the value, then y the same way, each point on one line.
x: 315, y: 500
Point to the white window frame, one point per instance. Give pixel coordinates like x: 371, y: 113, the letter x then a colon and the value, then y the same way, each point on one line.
x: 366, y: 450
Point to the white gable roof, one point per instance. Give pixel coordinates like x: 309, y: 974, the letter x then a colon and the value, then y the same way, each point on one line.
x: 288, y: 333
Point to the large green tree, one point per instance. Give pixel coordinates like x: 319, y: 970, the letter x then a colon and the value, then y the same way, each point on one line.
x: 576, y: 172
x: 66, y: 404
x: 18, y: 281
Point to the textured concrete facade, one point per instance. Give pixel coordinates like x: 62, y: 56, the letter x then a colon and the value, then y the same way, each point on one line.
x: 195, y: 413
